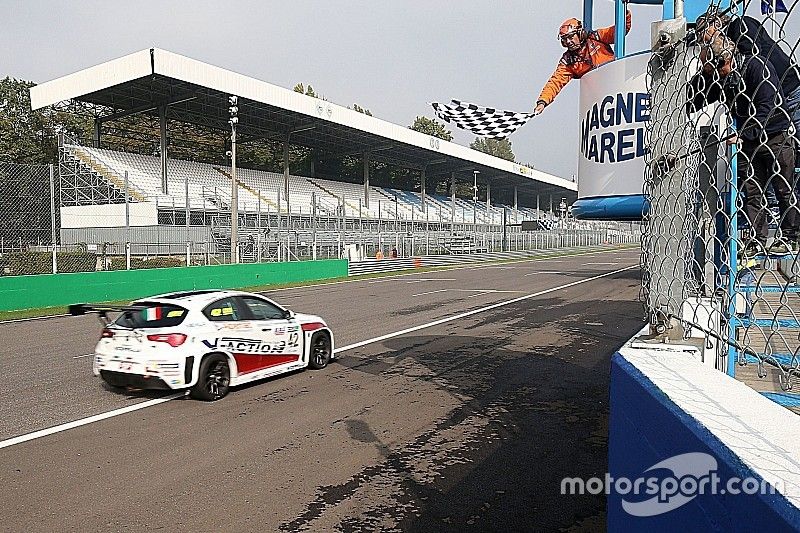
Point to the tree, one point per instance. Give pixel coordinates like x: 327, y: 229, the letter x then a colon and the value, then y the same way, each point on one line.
x: 497, y: 147
x: 308, y: 91
x: 431, y: 127
x: 360, y: 109
x: 31, y: 136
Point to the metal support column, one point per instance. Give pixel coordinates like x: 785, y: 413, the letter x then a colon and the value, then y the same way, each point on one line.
x: 234, y: 201
x: 619, y: 36
x: 366, y: 182
x: 286, y: 175
x: 669, y: 192
x: 422, y: 180
x: 162, y: 120
x: 452, y: 200
x: 587, y: 14
x: 96, y: 133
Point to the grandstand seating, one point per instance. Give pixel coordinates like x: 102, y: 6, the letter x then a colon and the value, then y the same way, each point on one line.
x: 209, y: 188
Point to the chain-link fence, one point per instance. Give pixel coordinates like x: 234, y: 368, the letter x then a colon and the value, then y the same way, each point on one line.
x: 27, y: 219
x: 107, y: 210
x: 720, y: 241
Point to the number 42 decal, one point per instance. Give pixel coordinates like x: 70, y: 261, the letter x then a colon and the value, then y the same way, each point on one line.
x: 293, y: 340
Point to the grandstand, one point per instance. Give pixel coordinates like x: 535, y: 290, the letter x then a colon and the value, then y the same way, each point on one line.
x: 208, y: 187
x: 174, y: 203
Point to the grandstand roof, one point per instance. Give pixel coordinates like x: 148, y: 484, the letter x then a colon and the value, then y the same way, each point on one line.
x: 197, y: 92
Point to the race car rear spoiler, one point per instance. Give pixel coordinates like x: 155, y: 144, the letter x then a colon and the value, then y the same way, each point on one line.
x: 102, y: 310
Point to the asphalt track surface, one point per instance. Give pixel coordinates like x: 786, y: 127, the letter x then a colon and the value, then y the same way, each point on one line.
x: 468, y: 425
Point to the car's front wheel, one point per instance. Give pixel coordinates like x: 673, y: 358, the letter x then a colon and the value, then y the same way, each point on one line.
x: 320, y: 354
x: 214, y: 379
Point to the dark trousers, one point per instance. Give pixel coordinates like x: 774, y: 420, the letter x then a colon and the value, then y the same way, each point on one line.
x: 764, y: 164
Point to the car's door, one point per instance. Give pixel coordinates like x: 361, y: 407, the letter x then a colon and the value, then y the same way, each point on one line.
x: 235, y: 332
x: 280, y: 335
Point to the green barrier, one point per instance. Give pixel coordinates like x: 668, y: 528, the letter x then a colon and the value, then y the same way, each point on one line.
x: 53, y: 290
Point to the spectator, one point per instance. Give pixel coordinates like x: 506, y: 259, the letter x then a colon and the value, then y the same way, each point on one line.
x: 751, y: 38
x: 394, y: 252
x: 585, y: 51
x: 750, y: 88
x: 379, y: 255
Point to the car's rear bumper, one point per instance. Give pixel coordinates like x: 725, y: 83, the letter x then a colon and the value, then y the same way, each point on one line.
x: 123, y: 379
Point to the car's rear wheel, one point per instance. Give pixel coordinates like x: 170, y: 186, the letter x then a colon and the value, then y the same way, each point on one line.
x: 320, y: 354
x: 214, y: 380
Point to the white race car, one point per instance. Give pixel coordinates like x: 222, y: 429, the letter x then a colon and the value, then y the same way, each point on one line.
x: 206, y: 341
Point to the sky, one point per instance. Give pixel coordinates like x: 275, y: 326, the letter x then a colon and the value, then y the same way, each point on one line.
x: 392, y: 57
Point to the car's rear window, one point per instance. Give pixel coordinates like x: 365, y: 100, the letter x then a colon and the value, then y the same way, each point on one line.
x: 152, y: 315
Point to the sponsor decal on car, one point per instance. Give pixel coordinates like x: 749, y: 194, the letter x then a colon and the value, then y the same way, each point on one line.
x: 239, y: 345
x: 234, y: 326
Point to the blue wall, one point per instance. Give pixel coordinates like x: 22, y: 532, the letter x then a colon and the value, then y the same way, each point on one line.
x: 646, y: 427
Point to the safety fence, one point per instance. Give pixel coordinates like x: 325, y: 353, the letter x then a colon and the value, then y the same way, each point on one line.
x: 720, y: 236
x: 80, y: 217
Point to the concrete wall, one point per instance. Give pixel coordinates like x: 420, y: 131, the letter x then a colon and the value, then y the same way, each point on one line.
x: 664, y: 403
x: 108, y: 215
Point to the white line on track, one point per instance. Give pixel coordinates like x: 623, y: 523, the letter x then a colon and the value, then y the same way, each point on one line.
x: 545, y: 272
x: 80, y: 356
x: 429, y: 292
x: 480, y: 291
x: 83, y: 421
x: 420, y: 280
x: 478, y: 294
x: 149, y: 403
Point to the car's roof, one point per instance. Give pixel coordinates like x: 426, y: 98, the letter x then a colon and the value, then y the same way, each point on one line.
x: 195, y: 298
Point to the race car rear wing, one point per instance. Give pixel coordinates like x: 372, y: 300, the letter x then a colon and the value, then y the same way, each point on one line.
x: 82, y: 309
x: 102, y: 310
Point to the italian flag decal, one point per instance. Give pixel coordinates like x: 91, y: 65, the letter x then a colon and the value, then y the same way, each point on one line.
x: 152, y: 313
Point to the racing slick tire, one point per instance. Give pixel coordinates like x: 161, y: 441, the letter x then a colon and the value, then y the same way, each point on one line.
x: 320, y: 353
x: 214, y: 379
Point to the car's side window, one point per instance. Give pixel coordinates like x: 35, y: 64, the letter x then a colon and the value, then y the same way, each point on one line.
x: 261, y: 309
x: 223, y: 310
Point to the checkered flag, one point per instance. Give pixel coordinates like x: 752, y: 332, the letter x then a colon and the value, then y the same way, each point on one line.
x: 482, y: 121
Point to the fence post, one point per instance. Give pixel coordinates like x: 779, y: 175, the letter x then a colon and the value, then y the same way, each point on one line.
x: 53, y: 217
x: 314, y: 226
x: 127, y: 223
x: 665, y: 252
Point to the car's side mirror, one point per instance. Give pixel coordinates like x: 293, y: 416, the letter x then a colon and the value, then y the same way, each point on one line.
x: 288, y: 314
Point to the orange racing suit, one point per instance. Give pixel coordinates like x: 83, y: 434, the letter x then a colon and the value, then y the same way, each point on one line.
x: 595, y: 51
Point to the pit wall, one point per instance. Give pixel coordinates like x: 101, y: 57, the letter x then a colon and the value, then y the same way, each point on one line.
x: 665, y: 403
